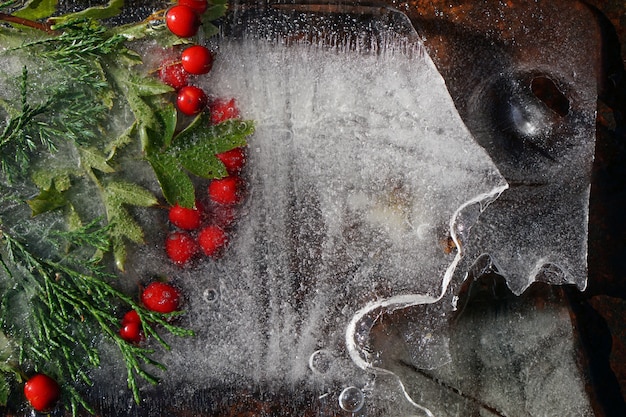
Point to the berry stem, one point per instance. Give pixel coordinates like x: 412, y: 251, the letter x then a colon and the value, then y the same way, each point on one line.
x: 155, y: 16
x: 45, y: 27
x: 160, y: 67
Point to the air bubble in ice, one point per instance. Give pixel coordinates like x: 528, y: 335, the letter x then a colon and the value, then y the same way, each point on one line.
x: 320, y: 361
x: 351, y: 399
x: 210, y: 295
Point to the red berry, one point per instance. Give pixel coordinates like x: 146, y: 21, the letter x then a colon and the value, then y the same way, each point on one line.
x: 180, y: 247
x: 233, y: 160
x: 223, y: 109
x: 212, y: 240
x: 160, y: 297
x: 182, y: 21
x: 131, y: 332
x: 185, y: 218
x: 197, y: 60
x: 225, y: 190
x: 42, y: 392
x: 174, y: 75
x: 131, y: 317
x: 199, y: 6
x: 191, y: 100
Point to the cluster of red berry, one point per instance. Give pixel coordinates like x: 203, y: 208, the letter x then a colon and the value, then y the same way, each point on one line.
x: 183, y: 20
x: 204, y: 228
x: 158, y: 296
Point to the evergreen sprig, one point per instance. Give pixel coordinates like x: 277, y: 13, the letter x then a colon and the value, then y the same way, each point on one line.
x: 71, y: 301
x: 18, y: 140
x: 80, y: 47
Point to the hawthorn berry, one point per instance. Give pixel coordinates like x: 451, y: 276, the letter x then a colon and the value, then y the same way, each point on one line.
x: 212, y: 239
x: 191, y: 100
x: 180, y: 247
x: 225, y: 190
x: 234, y: 160
x: 131, y: 317
x: 182, y: 21
x: 131, y: 332
x: 42, y: 392
x: 184, y: 217
x: 160, y: 297
x: 199, y: 6
x: 174, y: 75
x: 222, y: 109
x: 197, y: 60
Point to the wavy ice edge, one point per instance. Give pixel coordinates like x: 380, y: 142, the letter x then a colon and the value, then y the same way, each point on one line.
x: 409, y: 300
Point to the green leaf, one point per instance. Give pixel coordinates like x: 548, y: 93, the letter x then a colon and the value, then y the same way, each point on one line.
x: 7, y: 352
x: 124, y: 226
x: 37, y: 9
x: 175, y: 183
x: 106, y: 95
x: 47, y: 200
x: 226, y: 135
x: 220, y: 138
x: 5, y: 389
x: 143, y: 112
x: 202, y: 162
x: 112, y: 9
x: 124, y: 192
x: 216, y: 9
x: 119, y: 252
x: 122, y: 140
x: 93, y: 158
x: 193, y: 151
x: 144, y: 30
x: 136, y: 97
x: 169, y: 117
x: 74, y: 221
x: 191, y: 128
x: 58, y: 177
x: 147, y: 86
x: 210, y: 29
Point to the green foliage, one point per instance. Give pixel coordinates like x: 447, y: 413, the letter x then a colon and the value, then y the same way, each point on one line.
x: 57, y: 295
x: 193, y: 151
x: 71, y: 300
x: 19, y: 138
x: 216, y: 9
x: 47, y: 200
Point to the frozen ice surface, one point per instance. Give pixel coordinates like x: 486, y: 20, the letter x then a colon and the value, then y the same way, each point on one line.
x: 361, y: 174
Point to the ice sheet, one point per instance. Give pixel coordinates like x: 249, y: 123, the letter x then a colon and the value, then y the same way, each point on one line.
x: 361, y: 174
